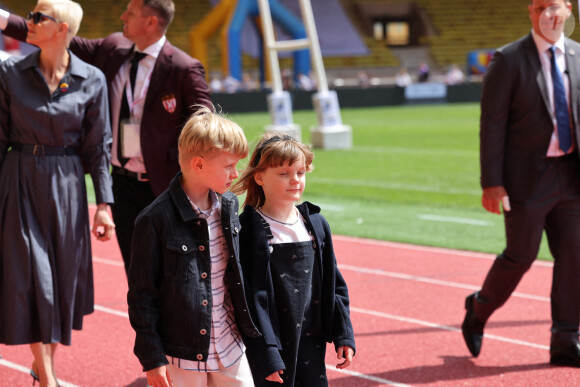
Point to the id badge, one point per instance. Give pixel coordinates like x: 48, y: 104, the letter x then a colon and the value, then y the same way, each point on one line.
x: 130, y: 145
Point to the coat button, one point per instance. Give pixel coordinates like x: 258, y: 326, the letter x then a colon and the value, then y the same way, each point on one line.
x: 201, y: 248
x: 199, y: 356
x: 184, y: 248
x: 203, y: 275
x: 203, y: 332
x: 204, y: 303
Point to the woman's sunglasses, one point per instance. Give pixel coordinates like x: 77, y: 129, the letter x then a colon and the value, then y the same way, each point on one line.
x: 37, y: 17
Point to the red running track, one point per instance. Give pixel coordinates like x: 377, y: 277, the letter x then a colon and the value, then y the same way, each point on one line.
x: 406, y: 308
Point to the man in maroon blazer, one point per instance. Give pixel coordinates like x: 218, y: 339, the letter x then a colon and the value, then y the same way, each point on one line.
x: 168, y: 84
x: 530, y: 131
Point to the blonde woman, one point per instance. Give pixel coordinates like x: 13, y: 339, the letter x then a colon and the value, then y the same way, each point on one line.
x: 54, y: 127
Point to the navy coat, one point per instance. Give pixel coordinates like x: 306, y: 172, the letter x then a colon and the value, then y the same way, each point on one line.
x: 255, y: 260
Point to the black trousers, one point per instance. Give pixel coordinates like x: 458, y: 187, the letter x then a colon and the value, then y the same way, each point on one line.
x: 131, y: 197
x: 554, y: 207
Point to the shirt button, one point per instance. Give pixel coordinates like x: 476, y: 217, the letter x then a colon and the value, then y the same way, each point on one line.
x: 199, y: 356
x: 184, y: 248
x: 203, y: 275
x: 204, y: 303
x: 203, y: 332
x: 201, y: 248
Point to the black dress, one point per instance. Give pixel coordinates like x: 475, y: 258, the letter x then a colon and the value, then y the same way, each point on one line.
x: 297, y: 292
x: 46, y: 273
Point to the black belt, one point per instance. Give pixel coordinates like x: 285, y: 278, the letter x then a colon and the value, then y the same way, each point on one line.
x: 44, y: 150
x: 139, y: 176
x: 568, y: 156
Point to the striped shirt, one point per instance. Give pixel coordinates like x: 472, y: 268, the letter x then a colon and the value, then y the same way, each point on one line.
x: 226, y: 342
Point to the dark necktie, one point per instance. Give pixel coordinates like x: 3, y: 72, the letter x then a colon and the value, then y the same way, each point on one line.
x: 560, y: 104
x: 125, y: 112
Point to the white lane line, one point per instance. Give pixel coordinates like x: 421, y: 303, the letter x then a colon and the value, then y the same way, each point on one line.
x: 395, y: 186
x: 26, y: 370
x: 416, y: 151
x: 363, y: 270
x: 432, y: 281
x: 108, y: 261
x: 104, y: 309
x: 445, y: 327
x: 427, y: 249
x: 453, y: 219
x: 330, y: 367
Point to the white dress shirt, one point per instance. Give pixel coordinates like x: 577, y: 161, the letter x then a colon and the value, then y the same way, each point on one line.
x: 543, y: 51
x: 144, y: 71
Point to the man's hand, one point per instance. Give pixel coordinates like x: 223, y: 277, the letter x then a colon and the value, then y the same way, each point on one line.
x: 491, y: 198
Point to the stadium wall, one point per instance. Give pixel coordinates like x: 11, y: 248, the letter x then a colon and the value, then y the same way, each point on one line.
x: 246, y: 102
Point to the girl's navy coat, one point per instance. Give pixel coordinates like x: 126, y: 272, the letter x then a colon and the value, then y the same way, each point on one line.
x: 263, y: 351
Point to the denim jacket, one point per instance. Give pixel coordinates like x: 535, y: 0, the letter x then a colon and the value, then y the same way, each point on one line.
x: 169, y: 295
x: 264, y: 352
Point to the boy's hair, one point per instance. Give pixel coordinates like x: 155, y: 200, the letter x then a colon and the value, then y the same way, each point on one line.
x: 273, y: 150
x: 207, y: 132
x: 66, y: 11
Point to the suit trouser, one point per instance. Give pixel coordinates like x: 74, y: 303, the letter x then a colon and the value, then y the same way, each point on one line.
x: 554, y: 206
x: 131, y: 197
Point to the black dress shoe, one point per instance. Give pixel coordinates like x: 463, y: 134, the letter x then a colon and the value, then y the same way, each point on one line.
x: 472, y: 329
x: 566, y: 356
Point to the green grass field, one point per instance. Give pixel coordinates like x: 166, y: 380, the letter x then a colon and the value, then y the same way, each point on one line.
x: 412, y: 176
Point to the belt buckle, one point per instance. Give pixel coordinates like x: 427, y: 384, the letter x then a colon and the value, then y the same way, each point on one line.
x: 36, y: 148
x: 140, y: 176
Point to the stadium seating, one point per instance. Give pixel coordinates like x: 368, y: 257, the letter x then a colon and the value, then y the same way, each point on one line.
x: 458, y: 27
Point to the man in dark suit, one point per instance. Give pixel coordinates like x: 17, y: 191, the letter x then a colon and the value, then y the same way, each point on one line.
x: 529, y: 131
x: 168, y: 84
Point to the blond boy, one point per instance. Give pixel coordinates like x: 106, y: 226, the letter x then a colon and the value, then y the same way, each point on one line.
x: 186, y: 295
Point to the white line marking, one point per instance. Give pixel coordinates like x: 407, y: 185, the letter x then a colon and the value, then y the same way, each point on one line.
x: 446, y: 327
x: 108, y: 261
x: 432, y: 281
x: 428, y: 249
x: 104, y: 309
x: 330, y: 367
x: 26, y: 370
x: 395, y: 186
x: 453, y: 219
x: 415, y: 151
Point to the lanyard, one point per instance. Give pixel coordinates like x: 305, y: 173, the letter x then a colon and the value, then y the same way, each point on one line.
x: 129, y: 92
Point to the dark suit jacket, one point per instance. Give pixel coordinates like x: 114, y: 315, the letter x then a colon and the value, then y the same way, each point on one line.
x: 176, y: 75
x: 516, y: 117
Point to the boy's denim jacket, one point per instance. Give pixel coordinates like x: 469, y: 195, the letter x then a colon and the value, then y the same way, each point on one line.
x: 169, y: 297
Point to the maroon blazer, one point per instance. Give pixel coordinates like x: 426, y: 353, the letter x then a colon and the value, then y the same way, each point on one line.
x: 177, y: 84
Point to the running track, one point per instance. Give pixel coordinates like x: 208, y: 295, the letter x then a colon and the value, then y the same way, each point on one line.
x: 406, y: 308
